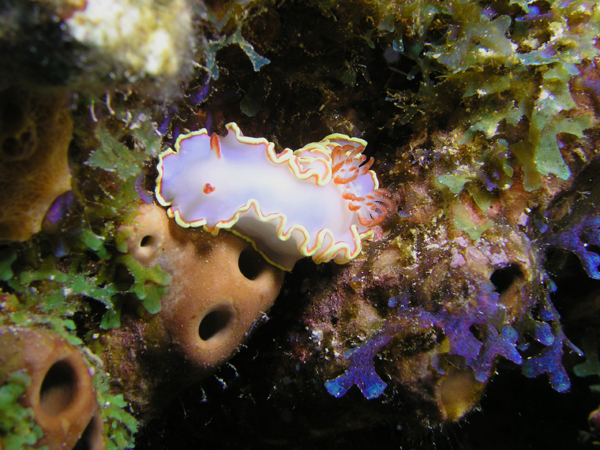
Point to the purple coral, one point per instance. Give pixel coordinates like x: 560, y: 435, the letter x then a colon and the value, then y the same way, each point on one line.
x: 59, y: 209
x: 503, y: 344
x: 458, y: 322
x: 549, y: 360
x: 458, y: 325
x: 361, y: 370
x: 578, y: 238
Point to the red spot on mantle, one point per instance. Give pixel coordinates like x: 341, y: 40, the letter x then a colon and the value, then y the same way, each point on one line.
x: 208, y: 189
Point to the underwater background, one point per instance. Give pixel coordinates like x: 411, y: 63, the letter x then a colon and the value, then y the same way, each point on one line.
x: 470, y: 318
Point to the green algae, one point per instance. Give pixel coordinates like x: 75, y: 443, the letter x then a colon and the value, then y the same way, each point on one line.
x: 7, y: 257
x: 512, y: 69
x: 118, y: 204
x: 591, y: 366
x: 118, y: 199
x: 150, y: 283
x: 18, y: 430
x: 464, y: 222
x: 231, y: 18
x: 455, y: 182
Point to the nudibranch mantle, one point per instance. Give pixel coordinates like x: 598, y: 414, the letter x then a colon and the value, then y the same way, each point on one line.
x: 317, y: 201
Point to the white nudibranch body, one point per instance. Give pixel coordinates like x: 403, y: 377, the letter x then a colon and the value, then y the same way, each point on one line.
x: 317, y: 201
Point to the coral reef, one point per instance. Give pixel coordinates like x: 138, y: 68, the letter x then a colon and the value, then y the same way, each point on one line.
x: 483, y: 123
x: 493, y: 290
x: 482, y: 117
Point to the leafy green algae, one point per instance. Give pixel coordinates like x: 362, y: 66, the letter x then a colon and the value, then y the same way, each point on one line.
x: 514, y: 63
x: 7, y: 257
x: 17, y: 427
x: 503, y: 76
x: 224, y: 23
x: 591, y: 366
x: 118, y: 204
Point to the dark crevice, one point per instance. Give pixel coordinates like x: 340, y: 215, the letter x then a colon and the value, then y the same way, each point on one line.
x: 251, y: 263
x: 504, y: 278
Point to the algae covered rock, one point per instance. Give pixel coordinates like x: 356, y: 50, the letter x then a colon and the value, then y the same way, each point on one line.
x: 483, y: 122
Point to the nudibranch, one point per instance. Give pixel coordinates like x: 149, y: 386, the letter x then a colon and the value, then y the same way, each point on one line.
x: 319, y: 201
